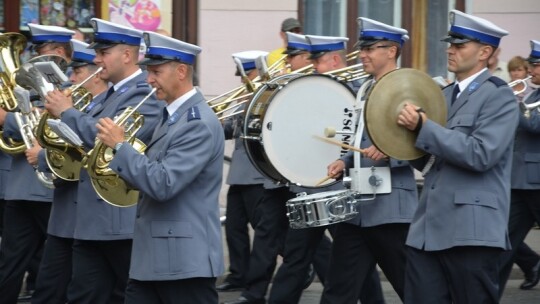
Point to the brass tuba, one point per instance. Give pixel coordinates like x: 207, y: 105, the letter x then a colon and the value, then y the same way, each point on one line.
x: 11, y: 45
x: 108, y: 185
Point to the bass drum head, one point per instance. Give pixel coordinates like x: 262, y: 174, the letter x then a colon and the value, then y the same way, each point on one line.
x: 299, y: 112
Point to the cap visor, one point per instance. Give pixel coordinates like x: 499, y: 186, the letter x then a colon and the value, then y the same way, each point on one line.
x: 153, y: 61
x: 316, y: 55
x: 455, y: 40
x: 532, y: 59
x: 76, y: 64
x: 100, y: 45
x: 363, y: 43
x: 292, y: 52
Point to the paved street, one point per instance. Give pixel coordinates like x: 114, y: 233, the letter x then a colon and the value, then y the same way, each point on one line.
x: 512, y: 295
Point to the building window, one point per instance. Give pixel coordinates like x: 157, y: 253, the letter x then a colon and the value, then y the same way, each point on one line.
x: 385, y: 11
x: 325, y: 17
x: 437, y: 27
x: 65, y: 13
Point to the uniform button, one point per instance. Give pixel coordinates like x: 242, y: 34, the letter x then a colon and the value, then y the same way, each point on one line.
x: 477, y: 200
x: 399, y: 162
x: 432, y: 187
x: 426, y: 147
x: 119, y: 169
x: 170, y: 231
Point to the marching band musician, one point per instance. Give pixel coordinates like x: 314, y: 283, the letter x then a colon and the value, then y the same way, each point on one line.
x: 377, y: 235
x: 301, y: 245
x: 55, y: 268
x: 177, y: 246
x: 251, y: 267
x: 28, y: 201
x: 460, y: 227
x: 103, y: 233
x: 266, y: 209
x: 524, y: 208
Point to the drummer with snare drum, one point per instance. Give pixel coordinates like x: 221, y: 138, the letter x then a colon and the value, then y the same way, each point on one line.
x: 377, y: 235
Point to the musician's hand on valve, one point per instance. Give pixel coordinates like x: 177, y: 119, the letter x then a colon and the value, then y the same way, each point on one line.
x: 374, y: 153
x: 32, y: 153
x: 109, y: 133
x: 411, y: 117
x: 335, y: 169
x: 57, y: 102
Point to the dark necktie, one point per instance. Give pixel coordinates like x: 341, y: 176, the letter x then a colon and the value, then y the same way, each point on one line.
x: 109, y: 92
x: 455, y: 93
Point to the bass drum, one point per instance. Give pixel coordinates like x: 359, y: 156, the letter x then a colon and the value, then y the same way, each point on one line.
x: 282, y: 122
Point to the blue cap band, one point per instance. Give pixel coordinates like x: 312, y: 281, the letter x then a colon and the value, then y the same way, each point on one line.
x: 299, y: 46
x: 328, y: 47
x: 535, y: 53
x: 80, y: 56
x: 50, y: 38
x: 116, y: 38
x: 485, y: 38
x: 171, y: 54
x: 378, y: 35
x: 248, y: 65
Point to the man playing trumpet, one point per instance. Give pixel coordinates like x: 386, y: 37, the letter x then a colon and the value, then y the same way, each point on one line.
x: 103, y: 233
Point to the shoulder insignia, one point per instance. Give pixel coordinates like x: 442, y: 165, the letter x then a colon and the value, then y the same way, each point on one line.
x: 497, y: 81
x: 193, y: 113
x: 123, y: 89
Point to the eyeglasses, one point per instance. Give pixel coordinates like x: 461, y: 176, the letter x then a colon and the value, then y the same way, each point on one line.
x: 369, y: 49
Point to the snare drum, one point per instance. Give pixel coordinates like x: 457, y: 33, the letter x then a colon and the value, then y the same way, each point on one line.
x: 284, y: 117
x: 320, y: 209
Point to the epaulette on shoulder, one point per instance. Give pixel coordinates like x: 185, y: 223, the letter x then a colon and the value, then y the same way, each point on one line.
x: 193, y: 113
x: 497, y: 81
x: 142, y: 84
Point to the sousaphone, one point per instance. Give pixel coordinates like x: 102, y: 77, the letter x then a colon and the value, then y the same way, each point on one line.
x: 388, y: 98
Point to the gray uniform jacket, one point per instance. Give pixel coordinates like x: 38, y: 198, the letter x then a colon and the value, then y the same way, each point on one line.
x: 241, y: 170
x: 23, y: 183
x: 64, y: 208
x: 5, y: 166
x: 526, y: 160
x: 395, y: 207
x: 466, y: 196
x: 177, y: 229
x: 96, y: 219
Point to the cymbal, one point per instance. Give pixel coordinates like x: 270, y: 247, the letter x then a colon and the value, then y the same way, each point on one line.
x: 387, y: 99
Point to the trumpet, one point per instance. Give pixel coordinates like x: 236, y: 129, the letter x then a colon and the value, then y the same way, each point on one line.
x: 520, y: 81
x: 527, y: 108
x: 24, y: 121
x: 108, y: 185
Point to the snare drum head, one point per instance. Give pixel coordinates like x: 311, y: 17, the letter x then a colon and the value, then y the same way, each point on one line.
x: 316, y: 196
x: 298, y: 112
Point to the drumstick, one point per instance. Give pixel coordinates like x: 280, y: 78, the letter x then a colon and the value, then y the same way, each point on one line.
x: 335, y: 142
x: 323, y: 180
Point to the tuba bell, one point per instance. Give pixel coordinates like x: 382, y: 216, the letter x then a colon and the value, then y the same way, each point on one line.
x: 11, y: 45
x: 108, y: 185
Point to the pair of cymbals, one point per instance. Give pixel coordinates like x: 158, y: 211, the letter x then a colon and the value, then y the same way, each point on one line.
x: 387, y: 99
